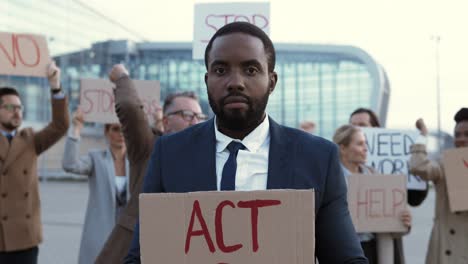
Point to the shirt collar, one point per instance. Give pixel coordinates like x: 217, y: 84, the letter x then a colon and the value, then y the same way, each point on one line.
x: 13, y: 133
x: 253, y: 141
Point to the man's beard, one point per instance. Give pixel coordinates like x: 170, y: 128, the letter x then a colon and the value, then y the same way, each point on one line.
x: 9, y: 125
x: 237, y: 119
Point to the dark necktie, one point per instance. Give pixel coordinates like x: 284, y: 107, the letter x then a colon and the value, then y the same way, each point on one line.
x: 228, y: 180
x: 9, y: 137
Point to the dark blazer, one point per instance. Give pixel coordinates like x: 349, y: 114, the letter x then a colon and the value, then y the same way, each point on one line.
x: 297, y: 160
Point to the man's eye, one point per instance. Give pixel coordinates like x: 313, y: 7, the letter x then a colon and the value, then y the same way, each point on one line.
x: 219, y: 70
x: 251, y: 70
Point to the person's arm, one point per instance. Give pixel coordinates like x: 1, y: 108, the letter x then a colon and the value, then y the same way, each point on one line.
x: 419, y: 163
x: 71, y: 161
x: 136, y: 129
x: 58, y: 127
x: 337, y: 241
x: 152, y: 184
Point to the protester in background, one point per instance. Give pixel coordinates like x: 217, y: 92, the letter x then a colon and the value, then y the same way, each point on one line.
x: 140, y: 138
x: 365, y: 117
x: 353, y: 154
x: 449, y: 237
x: 308, y: 126
x: 20, y: 222
x: 108, y: 184
x: 181, y: 110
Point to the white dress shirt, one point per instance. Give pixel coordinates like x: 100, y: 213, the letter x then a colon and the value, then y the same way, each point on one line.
x: 252, y: 162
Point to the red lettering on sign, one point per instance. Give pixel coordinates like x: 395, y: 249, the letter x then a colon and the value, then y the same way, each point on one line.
x: 361, y: 203
x: 215, y: 22
x: 465, y: 162
x: 98, y: 101
x: 254, y: 205
x: 16, y: 50
x: 219, y: 228
x: 196, y: 212
x: 373, y: 200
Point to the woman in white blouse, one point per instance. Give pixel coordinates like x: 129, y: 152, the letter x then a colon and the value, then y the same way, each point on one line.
x: 108, y: 189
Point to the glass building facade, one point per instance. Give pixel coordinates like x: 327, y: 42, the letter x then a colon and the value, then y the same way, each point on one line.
x: 68, y: 25
x: 320, y: 83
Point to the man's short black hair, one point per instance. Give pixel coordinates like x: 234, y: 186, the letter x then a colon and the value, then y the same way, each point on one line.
x: 374, y: 120
x: 461, y: 115
x: 249, y: 29
x: 7, y: 91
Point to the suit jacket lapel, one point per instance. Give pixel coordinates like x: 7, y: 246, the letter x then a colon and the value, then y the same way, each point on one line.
x: 279, y: 173
x: 17, y: 146
x: 204, y: 164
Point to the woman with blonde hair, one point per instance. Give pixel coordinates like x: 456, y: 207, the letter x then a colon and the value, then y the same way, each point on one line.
x: 353, y: 155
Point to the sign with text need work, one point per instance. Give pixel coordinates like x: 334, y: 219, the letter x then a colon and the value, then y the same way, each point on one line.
x: 209, y: 17
x: 97, y: 99
x: 274, y: 226
x: 389, y: 153
x: 23, y: 55
x: 456, y: 173
x: 376, y: 202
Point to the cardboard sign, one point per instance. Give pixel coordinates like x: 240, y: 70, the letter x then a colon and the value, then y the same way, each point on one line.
x: 456, y: 173
x: 97, y: 99
x: 210, y: 17
x: 23, y: 54
x: 376, y: 202
x: 389, y: 153
x: 274, y: 226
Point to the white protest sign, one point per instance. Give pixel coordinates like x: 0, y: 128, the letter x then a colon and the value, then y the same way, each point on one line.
x: 97, y: 99
x: 389, y: 153
x: 23, y: 54
x: 209, y: 17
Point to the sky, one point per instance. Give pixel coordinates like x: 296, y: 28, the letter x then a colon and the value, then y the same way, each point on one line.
x: 398, y: 34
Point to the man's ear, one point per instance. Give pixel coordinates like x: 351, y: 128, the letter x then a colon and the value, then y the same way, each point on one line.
x: 273, y: 76
x: 206, y: 79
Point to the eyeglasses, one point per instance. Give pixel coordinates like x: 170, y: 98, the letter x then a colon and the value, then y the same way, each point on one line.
x: 188, y: 115
x: 117, y: 129
x: 12, y: 108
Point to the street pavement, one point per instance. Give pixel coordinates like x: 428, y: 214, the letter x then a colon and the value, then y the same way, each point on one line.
x: 64, y: 205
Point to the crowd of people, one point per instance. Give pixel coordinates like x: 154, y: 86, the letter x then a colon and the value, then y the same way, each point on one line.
x: 240, y: 141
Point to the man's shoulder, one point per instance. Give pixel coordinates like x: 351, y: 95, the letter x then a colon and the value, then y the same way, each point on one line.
x: 306, y: 139
x: 190, y: 134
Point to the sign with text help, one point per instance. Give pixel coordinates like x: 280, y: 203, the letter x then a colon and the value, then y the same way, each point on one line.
x: 389, y: 153
x: 274, y: 226
x: 376, y: 202
x: 456, y: 174
x: 23, y: 55
x: 209, y: 17
x: 97, y: 99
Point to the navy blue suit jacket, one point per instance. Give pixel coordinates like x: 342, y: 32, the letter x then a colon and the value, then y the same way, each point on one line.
x: 297, y: 160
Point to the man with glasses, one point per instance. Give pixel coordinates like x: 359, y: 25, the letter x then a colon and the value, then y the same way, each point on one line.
x: 181, y: 110
x: 20, y: 222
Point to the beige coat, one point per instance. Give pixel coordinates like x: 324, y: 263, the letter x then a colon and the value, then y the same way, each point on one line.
x: 20, y: 209
x: 139, y: 138
x: 449, y: 237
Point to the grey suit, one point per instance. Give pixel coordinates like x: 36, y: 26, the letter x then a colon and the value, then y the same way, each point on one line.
x: 101, y: 211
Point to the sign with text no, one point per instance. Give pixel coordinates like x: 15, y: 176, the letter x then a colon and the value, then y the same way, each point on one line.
x: 456, y: 174
x: 97, y: 99
x: 274, y: 226
x: 389, y: 153
x: 376, y: 202
x: 23, y: 55
x: 210, y: 17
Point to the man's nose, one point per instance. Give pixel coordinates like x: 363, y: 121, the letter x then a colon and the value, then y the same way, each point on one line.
x: 236, y: 81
